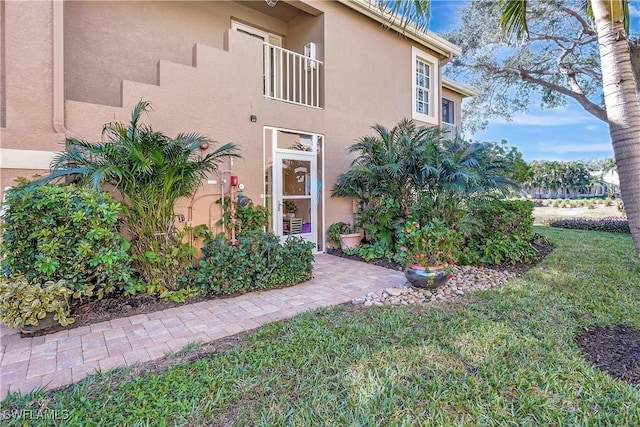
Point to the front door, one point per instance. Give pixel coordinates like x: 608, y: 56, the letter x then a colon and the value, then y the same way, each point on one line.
x: 295, y: 195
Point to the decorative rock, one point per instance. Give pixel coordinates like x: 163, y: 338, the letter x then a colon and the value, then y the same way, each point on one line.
x: 466, y: 279
x: 396, y: 291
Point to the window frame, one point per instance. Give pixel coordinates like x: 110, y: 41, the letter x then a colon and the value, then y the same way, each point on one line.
x: 433, y: 116
x: 452, y: 111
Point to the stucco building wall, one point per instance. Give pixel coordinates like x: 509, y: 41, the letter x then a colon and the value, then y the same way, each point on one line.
x: 201, y: 76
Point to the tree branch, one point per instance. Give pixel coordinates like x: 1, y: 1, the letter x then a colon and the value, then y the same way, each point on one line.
x: 591, y: 107
x: 586, y: 28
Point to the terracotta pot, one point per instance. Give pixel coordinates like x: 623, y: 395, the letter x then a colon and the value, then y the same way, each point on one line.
x: 425, y: 277
x: 350, y: 240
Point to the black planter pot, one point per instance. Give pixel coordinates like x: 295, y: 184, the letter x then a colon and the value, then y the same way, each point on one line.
x: 422, y: 277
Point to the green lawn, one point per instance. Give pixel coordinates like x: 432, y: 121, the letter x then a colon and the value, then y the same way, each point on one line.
x: 500, y: 357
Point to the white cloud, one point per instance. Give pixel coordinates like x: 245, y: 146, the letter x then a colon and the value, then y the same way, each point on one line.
x: 559, y: 148
x: 634, y: 10
x: 553, y: 117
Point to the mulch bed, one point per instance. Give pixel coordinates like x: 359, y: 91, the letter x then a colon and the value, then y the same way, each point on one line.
x: 614, y: 349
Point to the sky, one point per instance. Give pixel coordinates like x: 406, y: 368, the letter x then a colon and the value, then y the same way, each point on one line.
x: 567, y: 133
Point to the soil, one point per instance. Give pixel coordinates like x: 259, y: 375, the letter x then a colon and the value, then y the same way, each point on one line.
x: 614, y: 349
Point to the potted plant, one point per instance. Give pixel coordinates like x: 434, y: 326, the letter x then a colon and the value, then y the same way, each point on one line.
x: 343, y: 235
x: 290, y: 208
x: 428, y: 252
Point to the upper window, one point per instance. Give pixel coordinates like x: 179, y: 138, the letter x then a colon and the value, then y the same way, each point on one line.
x: 426, y: 87
x: 448, y: 110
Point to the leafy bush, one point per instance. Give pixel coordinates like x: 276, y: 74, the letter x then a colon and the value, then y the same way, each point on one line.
x: 336, y: 229
x: 54, y: 232
x: 248, y: 218
x: 60, y: 243
x: 429, y: 244
x: 151, y: 172
x: 612, y: 225
x: 256, y: 261
x: 503, y: 232
x: 26, y: 303
x: 369, y: 252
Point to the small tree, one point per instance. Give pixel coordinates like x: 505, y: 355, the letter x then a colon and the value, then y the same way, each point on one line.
x: 413, y: 170
x: 150, y: 171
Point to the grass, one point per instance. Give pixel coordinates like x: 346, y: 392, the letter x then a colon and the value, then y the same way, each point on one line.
x: 504, y: 356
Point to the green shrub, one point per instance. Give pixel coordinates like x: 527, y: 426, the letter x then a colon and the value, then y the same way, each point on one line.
x: 502, y: 233
x: 256, y: 261
x: 612, y: 225
x: 336, y: 229
x: 150, y: 171
x: 60, y: 244
x: 54, y: 232
x: 249, y: 218
x: 370, y: 252
x: 26, y: 303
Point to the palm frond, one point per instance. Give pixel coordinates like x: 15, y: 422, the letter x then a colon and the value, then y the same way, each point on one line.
x: 513, y: 19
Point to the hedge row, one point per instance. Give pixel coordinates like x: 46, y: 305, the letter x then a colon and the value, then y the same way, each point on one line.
x: 612, y: 225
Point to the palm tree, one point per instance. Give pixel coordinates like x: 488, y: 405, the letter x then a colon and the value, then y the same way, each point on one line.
x: 413, y: 170
x: 620, y: 92
x: 387, y: 164
x: 150, y: 172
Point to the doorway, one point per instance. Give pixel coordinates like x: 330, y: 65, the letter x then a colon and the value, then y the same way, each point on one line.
x: 293, y: 184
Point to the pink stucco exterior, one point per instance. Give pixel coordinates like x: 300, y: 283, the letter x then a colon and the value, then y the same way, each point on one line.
x: 200, y: 75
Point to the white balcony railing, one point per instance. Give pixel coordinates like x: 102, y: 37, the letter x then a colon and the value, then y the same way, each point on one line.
x: 449, y: 130
x: 291, y: 77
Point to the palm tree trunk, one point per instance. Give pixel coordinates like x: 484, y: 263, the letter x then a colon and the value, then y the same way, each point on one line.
x: 623, y: 108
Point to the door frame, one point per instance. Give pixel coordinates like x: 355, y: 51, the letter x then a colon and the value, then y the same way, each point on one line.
x: 279, y: 197
x: 275, y: 154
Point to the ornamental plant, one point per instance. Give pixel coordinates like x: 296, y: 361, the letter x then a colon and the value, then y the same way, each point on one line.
x: 336, y: 229
x: 290, y: 206
x: 26, y: 303
x: 60, y: 245
x: 430, y: 245
x: 257, y: 260
x: 150, y: 172
x: 53, y: 232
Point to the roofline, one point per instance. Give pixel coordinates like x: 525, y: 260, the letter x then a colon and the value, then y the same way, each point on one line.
x: 410, y: 30
x: 458, y: 87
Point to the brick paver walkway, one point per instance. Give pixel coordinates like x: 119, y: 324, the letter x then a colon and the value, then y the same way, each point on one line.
x: 68, y: 356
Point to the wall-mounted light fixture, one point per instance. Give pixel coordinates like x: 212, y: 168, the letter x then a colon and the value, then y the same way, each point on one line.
x: 253, y: 118
x: 204, y: 146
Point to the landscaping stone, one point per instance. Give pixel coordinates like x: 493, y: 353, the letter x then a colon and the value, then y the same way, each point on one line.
x: 466, y: 279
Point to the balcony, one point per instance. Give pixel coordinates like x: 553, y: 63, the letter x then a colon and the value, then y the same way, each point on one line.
x: 292, y: 77
x: 449, y: 130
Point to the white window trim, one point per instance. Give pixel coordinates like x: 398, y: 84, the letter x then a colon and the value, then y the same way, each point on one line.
x: 434, y: 98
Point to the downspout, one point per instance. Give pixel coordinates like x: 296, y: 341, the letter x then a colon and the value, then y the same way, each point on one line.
x: 58, y: 67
